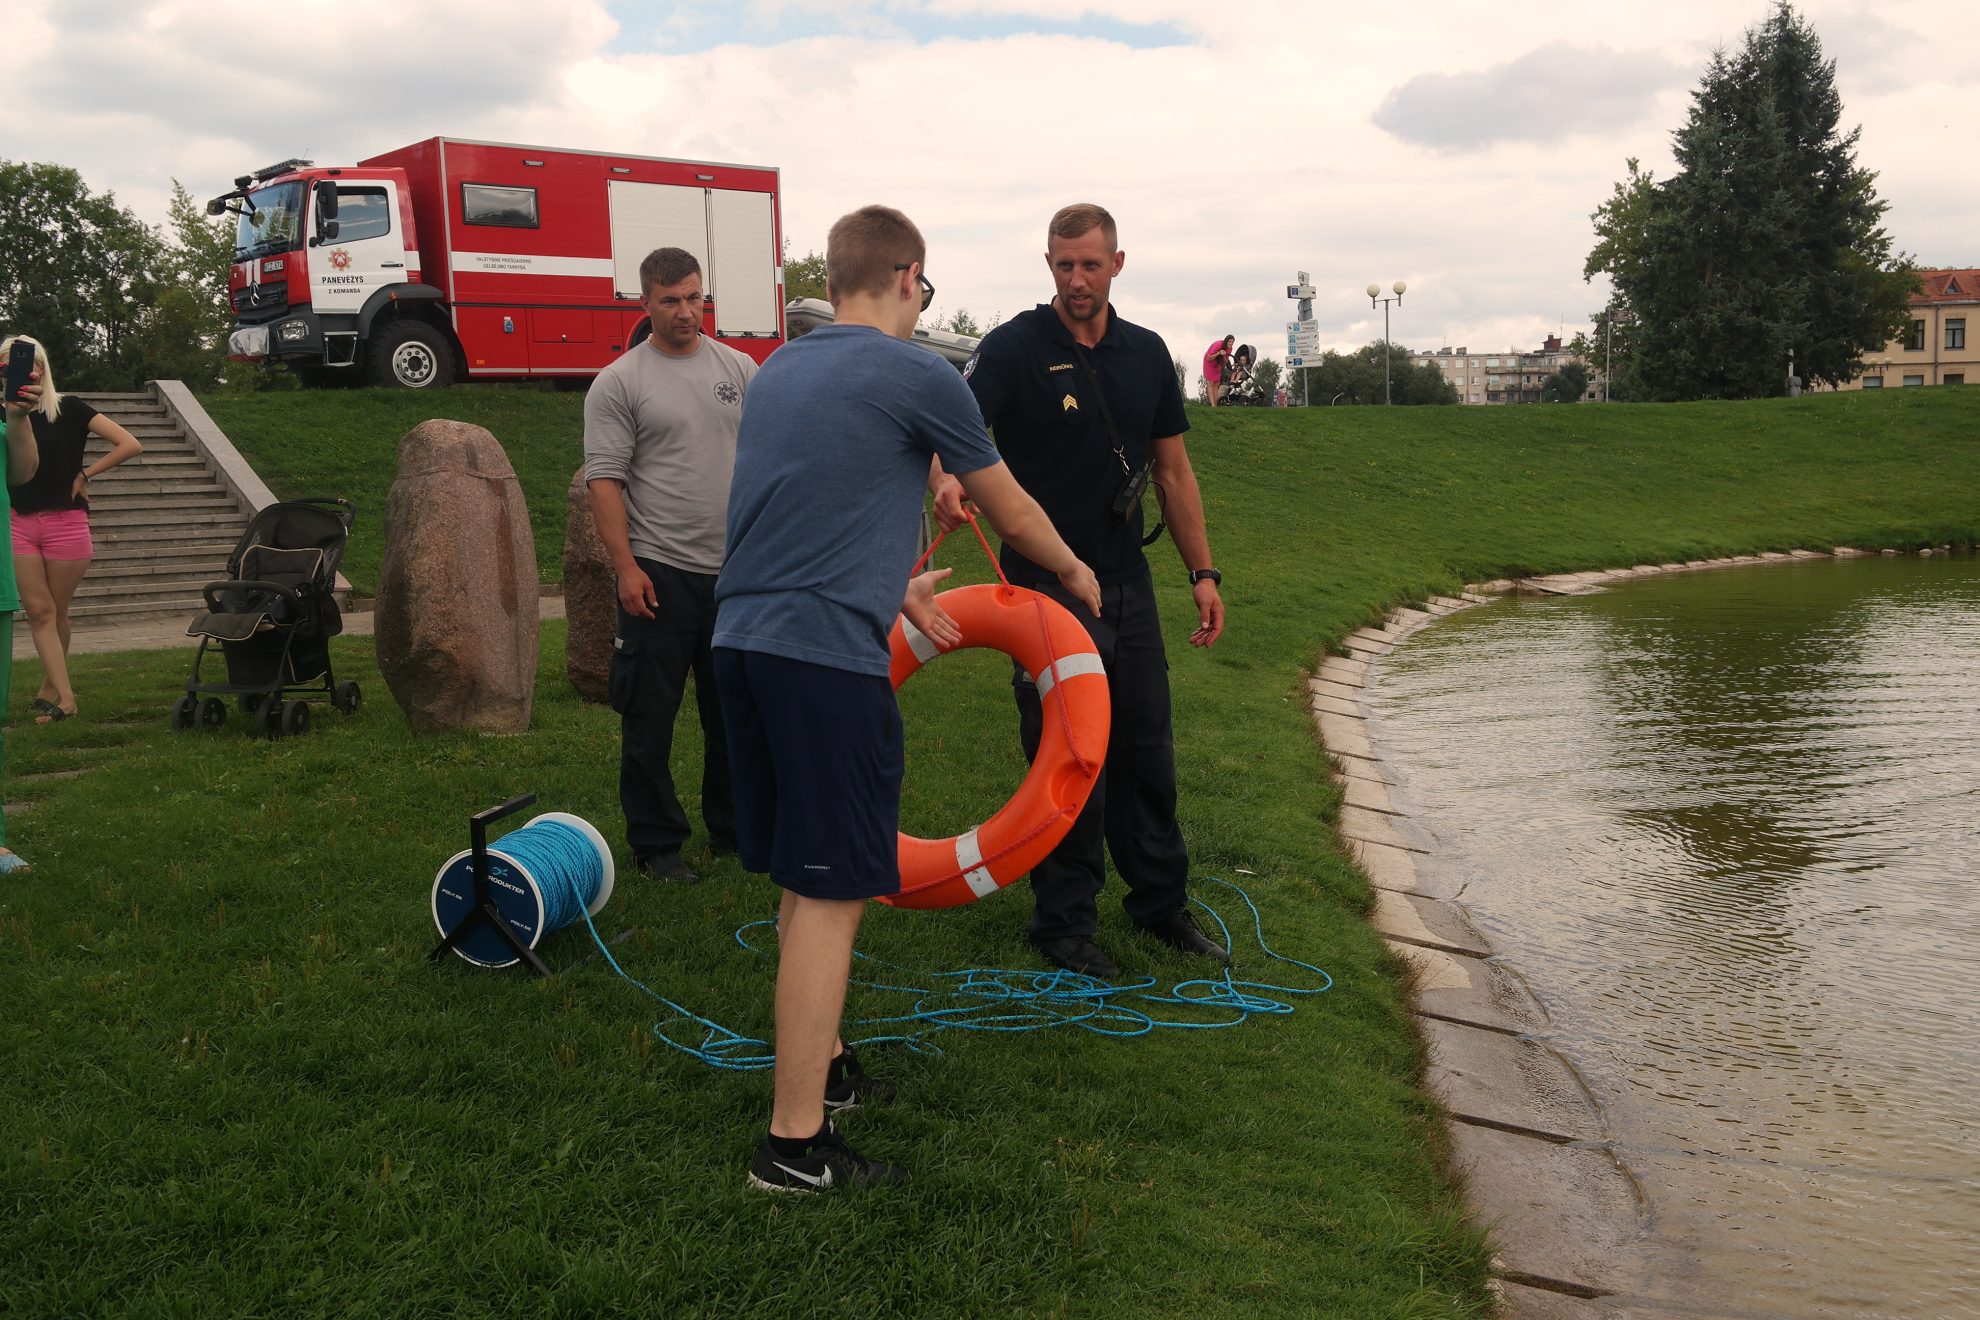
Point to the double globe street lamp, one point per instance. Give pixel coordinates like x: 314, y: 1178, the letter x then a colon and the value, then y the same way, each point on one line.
x: 1375, y: 296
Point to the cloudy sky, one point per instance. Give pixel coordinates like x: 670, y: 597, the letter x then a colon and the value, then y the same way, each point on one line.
x: 1459, y: 146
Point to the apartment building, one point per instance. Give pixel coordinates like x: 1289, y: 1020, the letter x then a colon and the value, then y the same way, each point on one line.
x: 1509, y: 377
x: 1937, y: 348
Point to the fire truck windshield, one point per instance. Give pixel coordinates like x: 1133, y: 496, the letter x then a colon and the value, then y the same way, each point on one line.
x: 275, y: 223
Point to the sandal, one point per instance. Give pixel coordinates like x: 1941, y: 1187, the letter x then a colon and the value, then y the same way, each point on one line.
x: 12, y: 863
x: 50, y: 714
x: 42, y: 705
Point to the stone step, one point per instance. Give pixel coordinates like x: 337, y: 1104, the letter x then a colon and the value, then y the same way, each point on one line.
x: 134, y: 527
x: 169, y: 509
x: 203, y: 548
x: 142, y: 486
x: 153, y: 458
x: 175, y: 453
x: 119, y: 611
x: 177, y: 568
x: 163, y: 589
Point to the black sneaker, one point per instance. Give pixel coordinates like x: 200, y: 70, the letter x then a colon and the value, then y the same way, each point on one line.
x: 847, y: 1085
x: 668, y: 866
x: 829, y: 1163
x: 1180, y: 932
x: 1076, y: 953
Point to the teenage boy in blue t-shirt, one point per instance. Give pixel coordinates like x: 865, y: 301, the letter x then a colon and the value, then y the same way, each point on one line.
x: 838, y: 435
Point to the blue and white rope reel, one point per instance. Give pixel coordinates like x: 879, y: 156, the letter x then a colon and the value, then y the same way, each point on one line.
x: 541, y: 878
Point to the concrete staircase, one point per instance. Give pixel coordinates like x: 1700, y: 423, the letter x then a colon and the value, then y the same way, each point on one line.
x: 164, y: 522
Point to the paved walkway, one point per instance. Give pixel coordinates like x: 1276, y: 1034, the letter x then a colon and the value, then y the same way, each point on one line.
x: 170, y: 634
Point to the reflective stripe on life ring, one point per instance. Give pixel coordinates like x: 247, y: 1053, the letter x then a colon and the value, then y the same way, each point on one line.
x: 1041, y: 635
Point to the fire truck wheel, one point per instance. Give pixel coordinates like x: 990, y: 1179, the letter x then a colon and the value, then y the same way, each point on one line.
x: 410, y: 355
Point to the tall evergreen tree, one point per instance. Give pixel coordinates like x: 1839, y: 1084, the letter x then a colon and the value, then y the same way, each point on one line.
x: 1767, y: 244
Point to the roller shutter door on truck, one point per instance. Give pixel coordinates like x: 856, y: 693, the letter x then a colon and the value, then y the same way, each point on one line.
x: 745, y: 265
x: 654, y: 215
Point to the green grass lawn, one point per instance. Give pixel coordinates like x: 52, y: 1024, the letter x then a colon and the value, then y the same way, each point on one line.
x: 235, y: 1086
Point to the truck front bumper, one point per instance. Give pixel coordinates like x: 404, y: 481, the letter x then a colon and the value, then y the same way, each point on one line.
x: 297, y: 335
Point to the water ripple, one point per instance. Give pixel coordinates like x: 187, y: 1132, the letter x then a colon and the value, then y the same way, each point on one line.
x: 1724, y: 825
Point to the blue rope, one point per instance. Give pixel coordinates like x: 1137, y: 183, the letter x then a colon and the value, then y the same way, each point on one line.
x: 565, y: 864
x: 1004, y: 999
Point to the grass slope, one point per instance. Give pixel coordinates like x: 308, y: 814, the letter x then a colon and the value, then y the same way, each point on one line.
x: 235, y: 1087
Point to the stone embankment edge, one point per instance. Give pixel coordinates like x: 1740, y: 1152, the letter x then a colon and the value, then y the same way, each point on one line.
x: 1568, y: 1220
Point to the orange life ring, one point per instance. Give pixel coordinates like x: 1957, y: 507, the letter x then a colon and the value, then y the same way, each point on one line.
x: 1040, y: 634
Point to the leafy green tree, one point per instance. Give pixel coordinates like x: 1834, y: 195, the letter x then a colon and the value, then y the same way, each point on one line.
x: 77, y: 272
x: 1350, y: 378
x: 962, y: 323
x: 182, y: 333
x: 1765, y: 245
x: 804, y: 277
x: 1566, y: 385
x: 1266, y: 373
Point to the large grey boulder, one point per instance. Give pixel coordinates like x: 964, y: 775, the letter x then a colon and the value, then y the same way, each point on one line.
x: 457, y: 593
x: 591, y: 597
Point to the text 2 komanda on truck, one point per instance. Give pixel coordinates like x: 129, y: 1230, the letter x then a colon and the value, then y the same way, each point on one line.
x: 450, y: 260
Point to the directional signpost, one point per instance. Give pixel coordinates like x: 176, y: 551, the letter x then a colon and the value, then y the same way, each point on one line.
x: 1303, y: 335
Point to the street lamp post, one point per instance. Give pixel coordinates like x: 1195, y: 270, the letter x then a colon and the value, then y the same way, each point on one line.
x: 1375, y: 296
x: 1609, y: 320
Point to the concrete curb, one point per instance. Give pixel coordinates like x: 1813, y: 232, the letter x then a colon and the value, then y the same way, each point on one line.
x: 1569, y: 1222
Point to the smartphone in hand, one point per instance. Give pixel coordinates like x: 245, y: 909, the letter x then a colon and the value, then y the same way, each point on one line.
x: 20, y: 367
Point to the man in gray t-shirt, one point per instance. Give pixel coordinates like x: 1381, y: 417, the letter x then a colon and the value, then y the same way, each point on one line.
x: 659, y: 450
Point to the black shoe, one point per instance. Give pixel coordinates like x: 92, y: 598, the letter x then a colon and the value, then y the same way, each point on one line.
x: 668, y: 866
x: 1076, y: 953
x: 847, y: 1085
x: 1179, y: 931
x: 829, y: 1163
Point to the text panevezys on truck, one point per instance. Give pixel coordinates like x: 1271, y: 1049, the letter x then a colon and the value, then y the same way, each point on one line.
x: 450, y: 260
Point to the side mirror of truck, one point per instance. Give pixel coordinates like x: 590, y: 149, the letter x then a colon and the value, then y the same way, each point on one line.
x: 326, y: 211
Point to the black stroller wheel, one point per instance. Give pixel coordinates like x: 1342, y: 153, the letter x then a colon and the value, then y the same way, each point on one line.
x: 268, y: 720
x: 295, y: 717
x: 185, y: 712
x: 250, y: 703
x: 212, y: 713
x: 348, y: 697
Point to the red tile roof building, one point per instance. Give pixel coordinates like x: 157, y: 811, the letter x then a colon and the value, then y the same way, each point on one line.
x: 1941, y: 346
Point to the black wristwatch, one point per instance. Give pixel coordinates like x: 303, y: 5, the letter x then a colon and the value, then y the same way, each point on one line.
x: 1197, y: 575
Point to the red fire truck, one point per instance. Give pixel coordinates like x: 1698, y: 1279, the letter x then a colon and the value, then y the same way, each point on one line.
x: 450, y: 260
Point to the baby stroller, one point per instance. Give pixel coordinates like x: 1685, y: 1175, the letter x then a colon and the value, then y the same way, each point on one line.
x: 273, y: 619
x: 1241, y: 390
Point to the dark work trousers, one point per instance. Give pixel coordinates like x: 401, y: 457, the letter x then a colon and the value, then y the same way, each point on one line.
x: 651, y: 659
x: 1133, y: 806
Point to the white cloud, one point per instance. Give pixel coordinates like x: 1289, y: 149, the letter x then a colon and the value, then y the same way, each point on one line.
x: 1554, y: 92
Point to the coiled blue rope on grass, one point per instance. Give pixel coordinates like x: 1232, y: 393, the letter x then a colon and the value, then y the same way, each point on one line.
x: 1010, y: 1000
x: 565, y: 866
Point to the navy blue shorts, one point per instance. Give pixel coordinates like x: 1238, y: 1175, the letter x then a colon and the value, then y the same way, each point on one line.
x: 816, y: 757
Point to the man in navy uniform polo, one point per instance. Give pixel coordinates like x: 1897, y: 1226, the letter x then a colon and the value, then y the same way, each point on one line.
x: 1080, y: 401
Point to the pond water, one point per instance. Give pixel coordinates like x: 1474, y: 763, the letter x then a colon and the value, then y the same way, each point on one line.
x: 1727, y: 827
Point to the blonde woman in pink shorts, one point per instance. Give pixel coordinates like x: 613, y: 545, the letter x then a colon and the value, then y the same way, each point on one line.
x: 52, y: 546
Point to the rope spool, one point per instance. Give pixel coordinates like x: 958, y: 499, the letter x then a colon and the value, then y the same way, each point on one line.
x: 541, y: 877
